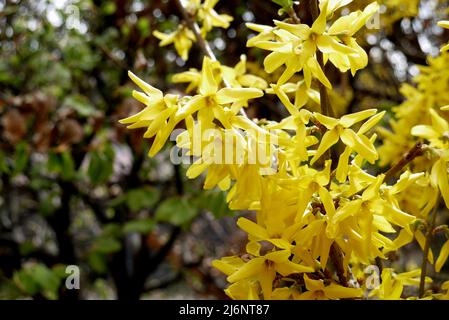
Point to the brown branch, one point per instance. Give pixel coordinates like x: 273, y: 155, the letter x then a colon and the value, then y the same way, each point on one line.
x: 416, y: 151
x: 337, y: 257
x: 429, y: 235
x: 189, y: 19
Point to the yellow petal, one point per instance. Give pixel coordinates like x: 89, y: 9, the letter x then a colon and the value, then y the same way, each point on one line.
x: 148, y: 89
x: 319, y: 25
x: 362, y: 146
x: 228, y: 265
x: 253, y: 248
x: 266, y: 278
x: 326, y: 121
x: 438, y: 123
x: 439, y: 172
x: 288, y: 267
x: 278, y: 256
x: 443, y: 24
x: 328, y: 203
x: 328, y: 44
x: 444, y: 254
x: 252, y: 228
x: 335, y: 291
x: 284, y: 99
x: 230, y: 95
x: 208, y: 83
x: 424, y: 131
x: 350, y: 119
x: 248, y: 270
x: 313, y: 65
x: 329, y: 139
x: 313, y: 285
x: 343, y: 165
x: 302, y: 31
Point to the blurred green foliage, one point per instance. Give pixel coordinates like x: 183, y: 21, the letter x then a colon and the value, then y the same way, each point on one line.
x: 76, y: 187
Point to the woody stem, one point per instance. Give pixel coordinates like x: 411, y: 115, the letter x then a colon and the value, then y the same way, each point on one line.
x: 416, y: 151
x: 429, y: 233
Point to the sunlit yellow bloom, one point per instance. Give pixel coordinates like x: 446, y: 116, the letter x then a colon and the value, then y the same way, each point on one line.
x: 295, y: 45
x: 182, y: 38
x: 159, y: 115
x: 345, y: 28
x: 318, y: 291
x: 236, y: 77
x: 208, y: 16
x: 439, y: 176
x: 303, y: 94
x: 211, y: 100
x: 343, y: 162
x: 243, y: 290
x: 437, y: 133
x: 392, y: 284
x: 264, y: 269
x: 340, y: 129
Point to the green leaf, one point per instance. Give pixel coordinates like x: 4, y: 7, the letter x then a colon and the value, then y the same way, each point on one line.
x: 47, y: 280
x: 38, y: 278
x: 97, y: 262
x: 142, y: 198
x: 177, y: 211
x: 4, y: 168
x: 143, y: 24
x: 108, y: 8
x: 54, y: 162
x: 25, y: 282
x: 117, y: 201
x: 215, y: 202
x: 111, y: 230
x: 80, y: 104
x: 106, y: 245
x: 67, y: 166
x: 26, y: 247
x: 143, y: 226
x: 20, y: 158
x: 101, y: 165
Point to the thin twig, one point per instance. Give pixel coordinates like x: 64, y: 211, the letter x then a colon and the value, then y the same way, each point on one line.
x: 189, y: 19
x: 416, y: 151
x: 429, y: 234
x: 292, y: 13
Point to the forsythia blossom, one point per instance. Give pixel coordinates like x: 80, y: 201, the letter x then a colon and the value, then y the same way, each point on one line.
x: 321, y: 214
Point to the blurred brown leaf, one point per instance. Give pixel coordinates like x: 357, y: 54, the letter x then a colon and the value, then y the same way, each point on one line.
x: 14, y: 126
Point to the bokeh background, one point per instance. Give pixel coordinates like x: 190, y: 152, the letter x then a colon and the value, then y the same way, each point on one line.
x: 77, y: 188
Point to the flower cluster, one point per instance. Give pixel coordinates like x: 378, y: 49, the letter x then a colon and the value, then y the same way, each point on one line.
x: 320, y: 217
x: 183, y: 37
